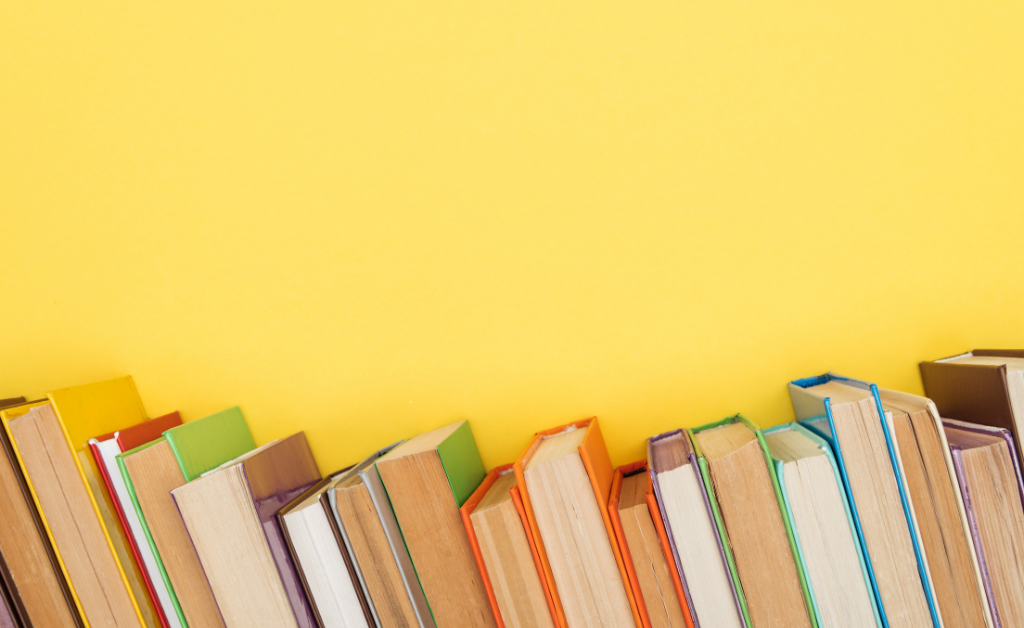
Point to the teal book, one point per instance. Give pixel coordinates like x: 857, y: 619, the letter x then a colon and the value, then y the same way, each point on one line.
x: 823, y: 529
x: 743, y: 487
x: 427, y: 479
x: 207, y: 443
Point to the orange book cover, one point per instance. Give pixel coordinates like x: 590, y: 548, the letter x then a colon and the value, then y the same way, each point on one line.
x: 652, y: 505
x: 596, y: 461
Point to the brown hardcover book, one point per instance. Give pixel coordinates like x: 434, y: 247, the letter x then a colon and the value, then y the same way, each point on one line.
x: 230, y: 516
x: 154, y: 473
x: 71, y: 516
x: 984, y: 386
x: 933, y: 489
x: 428, y: 478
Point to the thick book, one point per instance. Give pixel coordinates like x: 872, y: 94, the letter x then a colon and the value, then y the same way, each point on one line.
x: 428, y: 478
x: 105, y: 450
x: 33, y: 579
x: 50, y: 441
x: 565, y: 479
x: 204, y: 445
x: 364, y: 518
x: 848, y: 414
x: 150, y: 472
x: 322, y: 560
x: 635, y: 518
x: 744, y: 490
x: 707, y: 580
x: 230, y: 516
x: 934, y: 491
x: 505, y: 552
x: 823, y: 529
x: 986, y: 463
x: 984, y: 386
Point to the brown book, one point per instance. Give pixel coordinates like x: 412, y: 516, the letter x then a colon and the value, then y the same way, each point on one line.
x: 934, y: 492
x: 754, y: 525
x: 428, y: 478
x: 230, y: 516
x: 984, y: 386
x: 69, y: 512
x: 379, y: 570
x: 35, y: 586
x: 154, y: 473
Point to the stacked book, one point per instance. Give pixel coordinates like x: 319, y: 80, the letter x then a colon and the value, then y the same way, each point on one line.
x: 875, y: 508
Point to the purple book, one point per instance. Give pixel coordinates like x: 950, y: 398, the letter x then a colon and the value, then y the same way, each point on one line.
x: 965, y: 436
x: 668, y: 452
x: 6, y: 616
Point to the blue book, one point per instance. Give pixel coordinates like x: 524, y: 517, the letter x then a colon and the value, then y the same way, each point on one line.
x: 799, y: 456
x: 848, y: 414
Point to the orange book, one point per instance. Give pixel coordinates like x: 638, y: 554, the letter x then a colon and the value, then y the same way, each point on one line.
x: 594, y: 455
x: 660, y: 564
x: 505, y: 496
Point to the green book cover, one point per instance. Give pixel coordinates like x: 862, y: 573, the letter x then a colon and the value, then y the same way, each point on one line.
x: 787, y: 524
x: 145, y: 527
x: 207, y: 443
x: 462, y: 464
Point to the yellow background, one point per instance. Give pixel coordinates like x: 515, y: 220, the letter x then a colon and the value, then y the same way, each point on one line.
x: 367, y: 219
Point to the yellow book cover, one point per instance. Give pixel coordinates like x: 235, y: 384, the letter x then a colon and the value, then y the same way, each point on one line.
x: 85, y: 412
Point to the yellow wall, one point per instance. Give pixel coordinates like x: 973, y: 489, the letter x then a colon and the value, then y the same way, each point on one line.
x: 366, y: 219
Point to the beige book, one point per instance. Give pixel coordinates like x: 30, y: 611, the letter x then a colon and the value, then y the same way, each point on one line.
x: 154, y: 472
x: 821, y: 526
x: 506, y: 553
x: 575, y: 538
x: 373, y: 555
x: 935, y: 493
x: 991, y: 481
x: 647, y: 555
x: 64, y: 501
x: 428, y: 514
x: 754, y: 526
x: 877, y: 499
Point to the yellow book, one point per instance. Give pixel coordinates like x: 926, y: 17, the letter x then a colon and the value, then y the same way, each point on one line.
x: 83, y: 412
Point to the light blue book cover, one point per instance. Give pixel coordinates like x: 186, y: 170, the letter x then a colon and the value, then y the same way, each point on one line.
x: 816, y: 414
x: 823, y: 445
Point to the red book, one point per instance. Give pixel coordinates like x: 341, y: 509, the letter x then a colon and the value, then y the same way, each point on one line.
x: 105, y: 450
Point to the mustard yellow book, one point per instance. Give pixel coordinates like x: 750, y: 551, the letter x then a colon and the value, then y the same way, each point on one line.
x: 50, y: 442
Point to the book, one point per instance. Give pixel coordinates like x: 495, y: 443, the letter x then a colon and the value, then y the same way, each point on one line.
x: 503, y: 550
x: 150, y: 472
x: 72, y: 519
x: 565, y: 479
x: 229, y: 513
x: 934, y: 492
x: 823, y: 528
x: 428, y: 478
x: 741, y: 481
x: 32, y: 577
x: 203, y: 445
x: 6, y: 614
x: 696, y: 546
x: 986, y: 463
x: 366, y: 522
x: 984, y: 386
x: 633, y: 512
x: 322, y: 561
x: 848, y: 414
x: 105, y: 450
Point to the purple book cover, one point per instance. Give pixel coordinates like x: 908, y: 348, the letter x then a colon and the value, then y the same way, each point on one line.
x: 668, y: 528
x: 276, y: 476
x: 6, y: 618
x: 956, y: 452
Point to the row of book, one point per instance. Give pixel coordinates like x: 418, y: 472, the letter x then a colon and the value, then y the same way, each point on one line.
x: 874, y: 508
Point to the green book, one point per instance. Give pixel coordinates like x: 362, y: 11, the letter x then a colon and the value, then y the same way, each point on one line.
x: 207, y: 443
x: 145, y: 527
x: 428, y: 478
x: 719, y: 521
